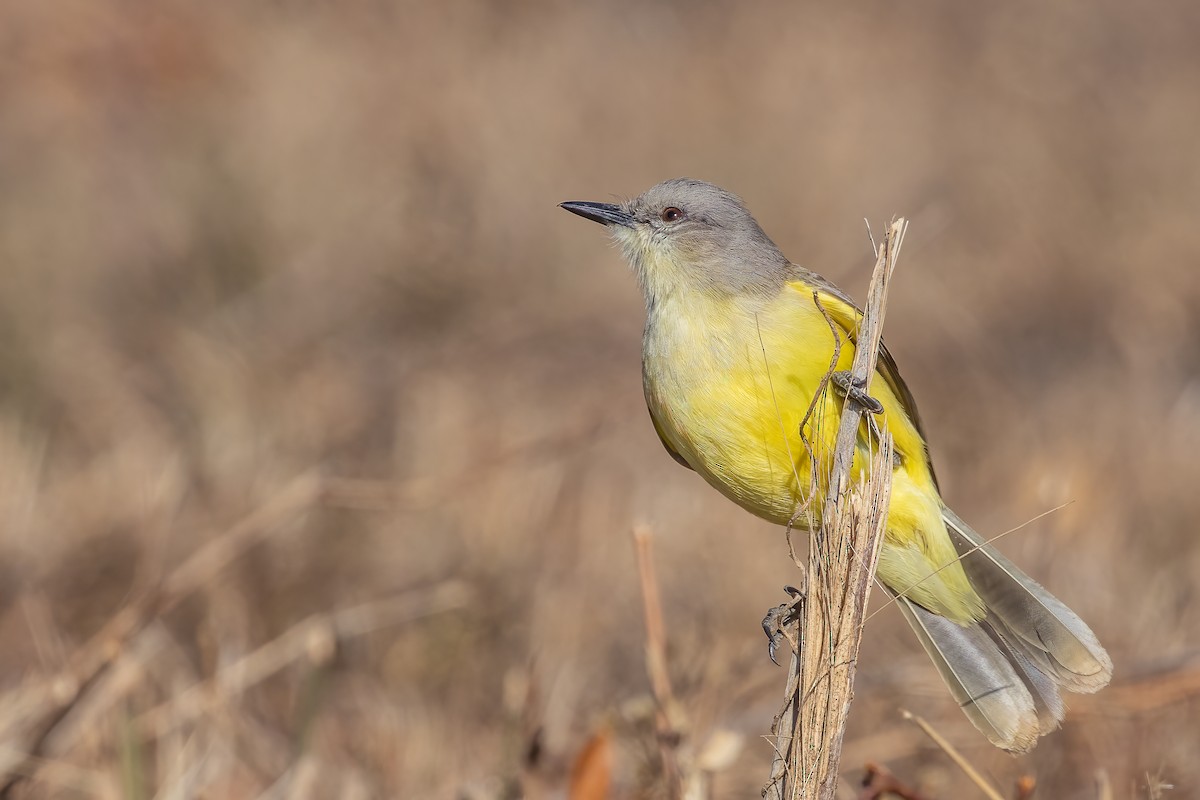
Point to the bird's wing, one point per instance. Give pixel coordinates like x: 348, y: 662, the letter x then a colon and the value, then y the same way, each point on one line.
x: 673, y: 452
x: 848, y: 317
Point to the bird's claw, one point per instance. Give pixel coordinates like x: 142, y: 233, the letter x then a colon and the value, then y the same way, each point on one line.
x: 854, y: 390
x: 778, y: 618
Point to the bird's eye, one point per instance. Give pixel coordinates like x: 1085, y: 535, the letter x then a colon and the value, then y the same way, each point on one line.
x: 671, y: 214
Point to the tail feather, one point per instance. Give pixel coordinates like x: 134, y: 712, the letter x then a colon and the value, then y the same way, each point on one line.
x: 1042, y: 687
x: 982, y: 678
x: 1006, y: 670
x: 1036, y: 622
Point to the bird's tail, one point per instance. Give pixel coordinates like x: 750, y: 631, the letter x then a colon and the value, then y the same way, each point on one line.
x: 1006, y: 670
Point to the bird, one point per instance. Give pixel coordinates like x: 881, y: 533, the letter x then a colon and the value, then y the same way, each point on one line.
x: 738, y: 350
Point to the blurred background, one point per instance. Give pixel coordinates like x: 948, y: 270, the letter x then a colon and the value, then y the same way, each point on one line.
x: 294, y: 339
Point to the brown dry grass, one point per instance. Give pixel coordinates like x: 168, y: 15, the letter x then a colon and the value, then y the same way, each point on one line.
x: 242, y: 243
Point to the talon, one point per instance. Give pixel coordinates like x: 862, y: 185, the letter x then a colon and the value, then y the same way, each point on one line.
x: 853, y: 390
x: 779, y: 618
x: 774, y: 630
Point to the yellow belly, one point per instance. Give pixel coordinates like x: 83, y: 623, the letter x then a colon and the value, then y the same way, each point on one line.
x: 732, y: 391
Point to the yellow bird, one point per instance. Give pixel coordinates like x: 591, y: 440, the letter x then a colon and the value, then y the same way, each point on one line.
x: 737, y: 345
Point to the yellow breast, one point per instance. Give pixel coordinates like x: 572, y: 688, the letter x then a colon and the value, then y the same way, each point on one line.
x: 730, y: 389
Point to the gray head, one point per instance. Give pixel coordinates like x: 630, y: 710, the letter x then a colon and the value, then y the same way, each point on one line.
x: 685, y: 235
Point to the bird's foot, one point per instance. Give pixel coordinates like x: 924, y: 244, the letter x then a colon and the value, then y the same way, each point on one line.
x: 854, y: 390
x: 779, y: 618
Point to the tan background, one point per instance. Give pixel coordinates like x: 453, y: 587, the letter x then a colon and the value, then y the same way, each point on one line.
x: 239, y: 242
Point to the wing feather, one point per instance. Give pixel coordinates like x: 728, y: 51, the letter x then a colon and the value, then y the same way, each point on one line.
x: 848, y: 317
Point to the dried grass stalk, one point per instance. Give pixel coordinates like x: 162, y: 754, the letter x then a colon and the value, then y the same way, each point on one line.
x: 809, y: 730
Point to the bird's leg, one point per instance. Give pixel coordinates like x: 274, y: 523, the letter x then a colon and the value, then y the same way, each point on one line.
x: 779, y: 618
x: 853, y: 390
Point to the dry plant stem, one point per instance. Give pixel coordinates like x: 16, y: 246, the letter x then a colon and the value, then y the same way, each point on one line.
x: 656, y: 664
x: 314, y: 639
x: 841, y: 567
x: 51, y: 699
x: 841, y: 570
x: 975, y: 775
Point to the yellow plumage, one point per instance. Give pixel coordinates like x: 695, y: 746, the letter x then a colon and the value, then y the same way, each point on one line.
x: 742, y: 433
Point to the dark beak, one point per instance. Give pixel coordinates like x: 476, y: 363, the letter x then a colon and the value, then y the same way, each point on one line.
x: 604, y: 213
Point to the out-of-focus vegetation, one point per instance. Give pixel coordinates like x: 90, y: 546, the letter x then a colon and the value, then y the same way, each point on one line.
x: 243, y: 242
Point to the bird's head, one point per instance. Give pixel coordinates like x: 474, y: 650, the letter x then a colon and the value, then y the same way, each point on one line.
x: 684, y: 236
